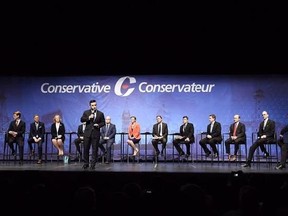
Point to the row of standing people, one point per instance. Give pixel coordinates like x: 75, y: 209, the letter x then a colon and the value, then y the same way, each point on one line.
x: 93, y: 120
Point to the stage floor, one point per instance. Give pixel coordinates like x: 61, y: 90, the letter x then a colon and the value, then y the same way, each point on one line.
x: 160, y: 167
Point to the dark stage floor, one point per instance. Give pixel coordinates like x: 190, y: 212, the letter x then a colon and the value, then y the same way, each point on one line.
x: 146, y: 167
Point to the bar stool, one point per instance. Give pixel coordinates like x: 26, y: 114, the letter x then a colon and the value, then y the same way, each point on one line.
x: 7, y: 150
x: 220, y: 150
x: 156, y: 157
x: 273, y: 153
x: 133, y: 157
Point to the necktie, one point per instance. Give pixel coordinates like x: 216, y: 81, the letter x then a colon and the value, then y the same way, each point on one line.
x: 184, y: 127
x: 37, y: 126
x: 235, y: 128
x: 17, y: 122
x: 160, y: 129
x: 107, y: 128
x: 83, y: 128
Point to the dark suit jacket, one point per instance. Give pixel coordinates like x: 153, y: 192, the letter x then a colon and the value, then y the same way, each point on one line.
x: 20, y: 129
x: 100, y: 120
x: 110, y: 133
x: 37, y: 133
x: 189, y: 132
x: 61, y: 131
x: 80, y: 132
x: 240, y: 131
x: 269, y: 129
x: 216, y: 130
x: 284, y: 132
x: 164, y: 130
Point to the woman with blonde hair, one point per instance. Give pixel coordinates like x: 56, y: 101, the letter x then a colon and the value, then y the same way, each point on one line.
x: 58, y: 134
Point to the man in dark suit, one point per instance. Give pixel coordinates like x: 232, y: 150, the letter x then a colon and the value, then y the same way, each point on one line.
x: 186, y: 136
x: 36, y: 135
x: 16, y: 133
x: 108, y: 133
x: 237, y: 135
x: 94, y: 121
x: 265, y: 134
x: 213, y: 136
x: 283, y: 143
x: 159, y: 135
x: 79, y: 139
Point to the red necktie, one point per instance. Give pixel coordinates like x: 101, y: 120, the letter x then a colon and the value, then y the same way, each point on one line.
x: 235, y: 128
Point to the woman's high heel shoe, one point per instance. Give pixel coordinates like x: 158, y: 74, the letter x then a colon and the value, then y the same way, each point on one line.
x: 136, y: 152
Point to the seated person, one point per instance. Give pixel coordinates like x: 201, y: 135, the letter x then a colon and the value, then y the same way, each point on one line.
x: 237, y: 135
x: 265, y: 134
x: 159, y: 135
x: 79, y: 139
x: 58, y: 134
x: 108, y: 132
x: 186, y: 136
x: 16, y: 133
x: 213, y: 136
x: 134, y: 135
x: 36, y: 135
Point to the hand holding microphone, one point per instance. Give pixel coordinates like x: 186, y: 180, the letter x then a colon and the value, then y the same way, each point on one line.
x: 92, y: 114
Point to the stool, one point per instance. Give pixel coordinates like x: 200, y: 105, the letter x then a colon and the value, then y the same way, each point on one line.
x: 156, y: 158
x: 134, y: 157
x: 220, y: 150
x: 239, y: 155
x: 111, y: 153
x: 273, y: 155
x: 181, y: 159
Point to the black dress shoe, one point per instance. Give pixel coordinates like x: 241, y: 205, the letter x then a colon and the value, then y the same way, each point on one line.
x: 92, y: 167
x: 246, y: 165
x: 21, y: 162
x: 85, y: 166
x: 280, y: 166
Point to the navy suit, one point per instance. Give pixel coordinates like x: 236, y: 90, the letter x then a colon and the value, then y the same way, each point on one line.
x: 19, y: 139
x: 216, y: 138
x: 92, y: 134
x: 37, y: 133
x: 110, y: 133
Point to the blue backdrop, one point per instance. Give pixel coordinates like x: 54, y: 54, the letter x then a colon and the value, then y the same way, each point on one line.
x: 145, y: 97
